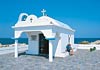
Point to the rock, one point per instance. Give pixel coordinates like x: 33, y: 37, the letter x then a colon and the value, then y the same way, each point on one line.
x: 0, y: 45
x: 96, y: 42
x: 84, y: 42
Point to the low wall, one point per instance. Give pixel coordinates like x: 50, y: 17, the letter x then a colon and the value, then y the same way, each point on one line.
x: 83, y: 46
x: 6, y: 50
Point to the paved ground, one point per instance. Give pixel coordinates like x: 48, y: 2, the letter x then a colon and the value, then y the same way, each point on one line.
x: 82, y: 60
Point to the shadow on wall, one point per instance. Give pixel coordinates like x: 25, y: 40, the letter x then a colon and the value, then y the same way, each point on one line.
x: 56, y: 45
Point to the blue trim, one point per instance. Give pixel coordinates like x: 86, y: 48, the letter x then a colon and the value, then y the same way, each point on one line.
x: 50, y: 38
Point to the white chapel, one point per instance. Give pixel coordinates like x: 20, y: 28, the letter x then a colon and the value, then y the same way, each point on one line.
x: 45, y: 35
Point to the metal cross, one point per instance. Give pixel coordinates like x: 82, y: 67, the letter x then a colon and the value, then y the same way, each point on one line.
x: 43, y: 12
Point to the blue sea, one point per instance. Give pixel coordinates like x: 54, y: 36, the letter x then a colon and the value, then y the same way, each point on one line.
x: 5, y: 41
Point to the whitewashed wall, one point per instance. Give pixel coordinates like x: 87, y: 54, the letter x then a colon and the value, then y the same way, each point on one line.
x: 33, y: 47
x: 56, y: 46
x: 64, y: 41
x: 72, y: 39
x: 59, y: 45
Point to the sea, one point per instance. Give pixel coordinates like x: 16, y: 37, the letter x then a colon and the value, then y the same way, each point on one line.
x: 5, y: 41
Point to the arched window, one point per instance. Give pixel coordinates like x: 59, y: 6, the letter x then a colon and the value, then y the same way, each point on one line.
x: 24, y: 18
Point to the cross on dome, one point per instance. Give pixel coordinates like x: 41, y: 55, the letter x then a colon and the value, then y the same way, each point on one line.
x: 31, y: 20
x: 43, y: 12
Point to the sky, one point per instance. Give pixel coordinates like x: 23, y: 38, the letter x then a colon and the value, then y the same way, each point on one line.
x: 81, y: 15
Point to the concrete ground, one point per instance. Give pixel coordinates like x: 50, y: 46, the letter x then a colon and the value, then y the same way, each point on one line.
x: 81, y: 60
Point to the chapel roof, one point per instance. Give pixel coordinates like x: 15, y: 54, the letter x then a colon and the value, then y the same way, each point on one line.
x: 55, y: 22
x: 32, y: 20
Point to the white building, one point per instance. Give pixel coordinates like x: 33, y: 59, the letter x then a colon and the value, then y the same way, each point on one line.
x: 45, y: 35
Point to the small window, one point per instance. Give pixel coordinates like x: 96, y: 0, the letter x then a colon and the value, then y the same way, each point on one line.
x: 24, y: 18
x: 31, y: 20
x: 51, y: 22
x: 33, y: 37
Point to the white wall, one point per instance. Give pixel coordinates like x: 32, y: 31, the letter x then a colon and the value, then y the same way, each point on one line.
x: 56, y: 46
x: 33, y: 47
x: 59, y: 44
x: 72, y: 39
x: 64, y: 41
